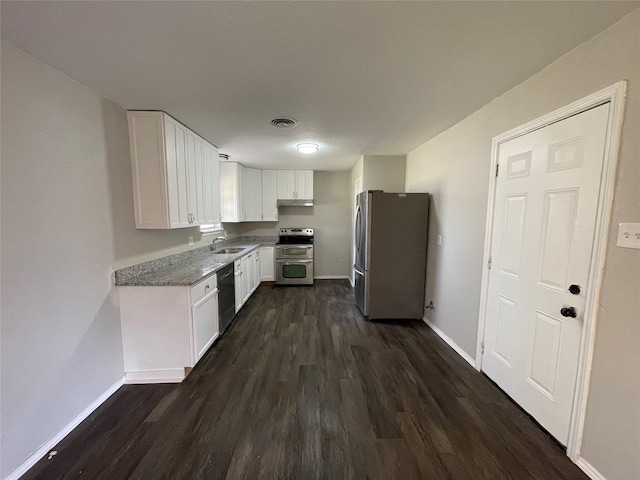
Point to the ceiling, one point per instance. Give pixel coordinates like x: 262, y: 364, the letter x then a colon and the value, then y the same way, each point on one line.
x: 359, y: 77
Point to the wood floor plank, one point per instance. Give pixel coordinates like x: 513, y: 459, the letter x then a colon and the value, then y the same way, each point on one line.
x: 302, y: 387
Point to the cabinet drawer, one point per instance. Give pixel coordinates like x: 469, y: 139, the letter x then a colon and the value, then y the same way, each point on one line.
x: 201, y: 289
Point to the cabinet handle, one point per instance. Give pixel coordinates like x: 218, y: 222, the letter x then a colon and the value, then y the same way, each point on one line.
x: 206, y: 287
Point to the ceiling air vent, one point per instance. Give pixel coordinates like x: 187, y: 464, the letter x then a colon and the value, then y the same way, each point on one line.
x: 223, y: 156
x: 283, y: 122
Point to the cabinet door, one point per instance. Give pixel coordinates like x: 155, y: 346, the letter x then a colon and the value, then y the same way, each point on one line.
x: 256, y: 205
x: 256, y: 269
x: 251, y: 193
x: 215, y: 184
x: 237, y: 274
x: 269, y: 196
x: 286, y: 180
x: 230, y: 184
x: 177, y: 173
x: 246, y: 278
x: 204, y: 314
x: 267, y: 264
x: 148, y: 168
x: 211, y: 184
x: 195, y: 178
x: 304, y: 184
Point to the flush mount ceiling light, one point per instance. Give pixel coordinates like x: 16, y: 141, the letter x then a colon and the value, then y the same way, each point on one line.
x: 307, y: 147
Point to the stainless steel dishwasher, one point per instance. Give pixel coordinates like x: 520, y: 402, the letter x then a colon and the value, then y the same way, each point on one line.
x: 226, y: 297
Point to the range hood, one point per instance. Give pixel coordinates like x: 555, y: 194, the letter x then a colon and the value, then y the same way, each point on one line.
x: 296, y: 202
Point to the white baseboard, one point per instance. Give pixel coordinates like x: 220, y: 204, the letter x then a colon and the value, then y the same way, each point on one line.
x: 589, y: 469
x: 172, y: 375
x: 46, y: 448
x: 450, y: 342
x: 331, y: 277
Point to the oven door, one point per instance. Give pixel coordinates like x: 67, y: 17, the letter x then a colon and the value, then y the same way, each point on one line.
x: 294, y: 251
x: 294, y: 272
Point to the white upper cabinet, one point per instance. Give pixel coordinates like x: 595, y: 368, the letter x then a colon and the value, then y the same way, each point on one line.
x: 230, y: 188
x: 211, y: 179
x: 269, y: 196
x: 304, y: 184
x: 286, y: 184
x: 194, y: 175
x: 177, y: 178
x: 295, y: 184
x: 251, y: 194
x: 174, y: 173
x: 241, y: 193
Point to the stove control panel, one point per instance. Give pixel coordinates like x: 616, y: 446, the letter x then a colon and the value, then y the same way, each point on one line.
x: 286, y: 232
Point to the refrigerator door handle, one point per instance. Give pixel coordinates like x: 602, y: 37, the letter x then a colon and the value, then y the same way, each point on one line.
x: 358, y: 271
x: 358, y: 234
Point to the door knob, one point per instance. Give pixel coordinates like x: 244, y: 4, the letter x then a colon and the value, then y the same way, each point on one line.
x: 568, y: 312
x: 574, y: 289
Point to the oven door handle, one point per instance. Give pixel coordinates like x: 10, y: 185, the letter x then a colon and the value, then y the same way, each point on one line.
x: 280, y: 260
x: 294, y: 246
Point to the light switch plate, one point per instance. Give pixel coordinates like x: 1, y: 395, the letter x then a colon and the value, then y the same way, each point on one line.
x: 629, y: 235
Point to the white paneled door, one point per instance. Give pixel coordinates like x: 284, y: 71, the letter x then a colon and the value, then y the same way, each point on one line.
x: 545, y: 213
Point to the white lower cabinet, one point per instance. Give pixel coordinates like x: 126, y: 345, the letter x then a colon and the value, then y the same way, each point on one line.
x: 205, y: 323
x: 267, y: 264
x: 255, y: 271
x: 166, y: 330
x: 246, y: 277
x: 237, y: 273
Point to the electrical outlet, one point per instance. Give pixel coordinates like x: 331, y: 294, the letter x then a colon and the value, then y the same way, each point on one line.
x: 629, y: 235
x: 337, y: 260
x: 190, y: 240
x: 439, y: 239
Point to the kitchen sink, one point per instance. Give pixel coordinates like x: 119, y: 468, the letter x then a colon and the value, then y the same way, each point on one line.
x: 229, y: 251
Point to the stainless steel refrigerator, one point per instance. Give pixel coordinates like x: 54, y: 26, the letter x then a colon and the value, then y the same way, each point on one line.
x: 391, y: 254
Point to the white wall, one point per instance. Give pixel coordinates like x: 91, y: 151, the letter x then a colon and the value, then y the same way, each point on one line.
x: 454, y: 167
x: 67, y: 223
x: 383, y: 172
x: 61, y: 338
x: 329, y: 216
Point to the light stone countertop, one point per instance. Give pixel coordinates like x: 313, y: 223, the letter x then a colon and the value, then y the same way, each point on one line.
x: 185, y: 269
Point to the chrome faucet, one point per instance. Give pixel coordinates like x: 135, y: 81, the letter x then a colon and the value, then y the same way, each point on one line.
x: 213, y: 243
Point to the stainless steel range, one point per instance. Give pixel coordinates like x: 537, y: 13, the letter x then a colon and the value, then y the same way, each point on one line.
x: 294, y: 257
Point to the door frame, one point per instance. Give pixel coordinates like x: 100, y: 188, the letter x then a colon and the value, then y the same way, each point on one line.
x: 615, y: 96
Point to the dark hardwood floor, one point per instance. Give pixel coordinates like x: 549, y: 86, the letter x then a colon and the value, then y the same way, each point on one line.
x: 302, y: 387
